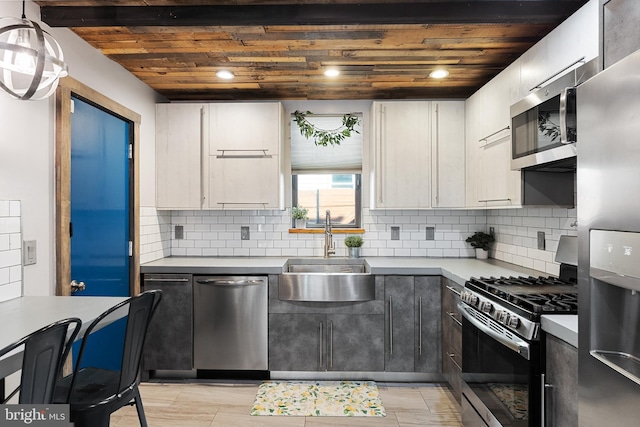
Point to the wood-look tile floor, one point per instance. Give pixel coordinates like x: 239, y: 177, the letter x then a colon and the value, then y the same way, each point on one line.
x: 228, y: 404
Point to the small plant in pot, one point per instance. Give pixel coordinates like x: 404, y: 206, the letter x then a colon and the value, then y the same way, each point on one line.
x: 353, y: 243
x: 299, y: 214
x: 481, y: 241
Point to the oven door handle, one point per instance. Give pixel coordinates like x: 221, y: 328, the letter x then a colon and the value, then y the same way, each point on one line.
x: 519, y: 346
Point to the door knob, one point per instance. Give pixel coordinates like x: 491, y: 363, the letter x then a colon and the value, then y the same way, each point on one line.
x: 77, y: 286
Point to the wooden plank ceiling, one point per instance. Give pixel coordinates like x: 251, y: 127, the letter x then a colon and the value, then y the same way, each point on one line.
x: 280, y: 50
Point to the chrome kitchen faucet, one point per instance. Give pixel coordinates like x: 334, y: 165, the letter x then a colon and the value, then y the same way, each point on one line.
x: 329, y: 247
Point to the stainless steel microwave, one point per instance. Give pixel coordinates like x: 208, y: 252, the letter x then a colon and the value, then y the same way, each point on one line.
x: 543, y: 125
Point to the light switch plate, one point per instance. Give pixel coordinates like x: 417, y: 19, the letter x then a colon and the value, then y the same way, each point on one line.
x: 29, y: 255
x: 244, y: 233
x: 541, y: 240
x: 395, y: 233
x: 430, y: 233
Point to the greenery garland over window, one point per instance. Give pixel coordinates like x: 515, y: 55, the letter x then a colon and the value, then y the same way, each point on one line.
x: 325, y: 137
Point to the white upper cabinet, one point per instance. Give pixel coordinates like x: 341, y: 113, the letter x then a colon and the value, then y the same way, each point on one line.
x: 575, y: 38
x: 490, y: 182
x: 418, y: 154
x: 244, y: 165
x: 247, y: 127
x: 179, y: 140
x: 447, y: 154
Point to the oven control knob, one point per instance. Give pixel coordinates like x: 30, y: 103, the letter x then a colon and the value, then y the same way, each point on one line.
x: 513, y: 322
x: 486, y: 307
x: 502, y: 317
x: 473, y: 300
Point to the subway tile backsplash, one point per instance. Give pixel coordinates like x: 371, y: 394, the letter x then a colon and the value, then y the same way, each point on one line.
x: 218, y: 233
x: 10, y: 249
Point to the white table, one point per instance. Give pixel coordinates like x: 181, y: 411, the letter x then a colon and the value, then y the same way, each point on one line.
x: 21, y: 316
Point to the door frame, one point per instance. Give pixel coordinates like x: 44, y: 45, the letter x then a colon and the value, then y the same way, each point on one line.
x: 68, y: 87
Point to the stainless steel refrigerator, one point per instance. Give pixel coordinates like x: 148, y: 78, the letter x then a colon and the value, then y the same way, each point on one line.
x: 608, y: 182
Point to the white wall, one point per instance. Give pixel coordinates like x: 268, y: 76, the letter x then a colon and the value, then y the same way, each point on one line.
x: 27, y: 143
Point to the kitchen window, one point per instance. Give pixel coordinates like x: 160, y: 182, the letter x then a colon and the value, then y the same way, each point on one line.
x: 327, y: 178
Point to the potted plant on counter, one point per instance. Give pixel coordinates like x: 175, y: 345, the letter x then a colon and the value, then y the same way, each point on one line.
x: 353, y: 243
x: 481, y: 241
x: 299, y: 214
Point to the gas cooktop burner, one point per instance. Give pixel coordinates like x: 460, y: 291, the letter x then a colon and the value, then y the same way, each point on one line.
x: 533, y: 295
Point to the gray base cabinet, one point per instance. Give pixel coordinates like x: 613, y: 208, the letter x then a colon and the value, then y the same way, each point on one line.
x: 320, y: 336
x: 428, y: 354
x: 318, y: 342
x: 412, y: 324
x: 400, y: 324
x: 169, y: 341
x: 295, y: 342
x: 452, y: 337
x: 561, y: 400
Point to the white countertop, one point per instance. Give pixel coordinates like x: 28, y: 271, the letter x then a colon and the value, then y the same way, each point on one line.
x: 459, y: 270
x: 563, y: 326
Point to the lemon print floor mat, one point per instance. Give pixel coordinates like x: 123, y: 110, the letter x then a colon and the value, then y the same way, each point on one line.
x: 318, y: 399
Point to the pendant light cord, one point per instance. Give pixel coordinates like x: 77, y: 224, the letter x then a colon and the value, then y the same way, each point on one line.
x: 23, y: 14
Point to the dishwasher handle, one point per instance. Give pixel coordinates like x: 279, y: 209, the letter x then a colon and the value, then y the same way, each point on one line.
x: 230, y: 282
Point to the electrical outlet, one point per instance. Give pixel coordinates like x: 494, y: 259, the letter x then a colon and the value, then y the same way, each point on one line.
x: 541, y: 240
x: 395, y: 233
x: 430, y: 233
x: 244, y: 233
x: 179, y: 230
x: 492, y: 231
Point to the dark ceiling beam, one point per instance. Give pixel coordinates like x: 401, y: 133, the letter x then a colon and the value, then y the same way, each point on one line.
x: 432, y: 12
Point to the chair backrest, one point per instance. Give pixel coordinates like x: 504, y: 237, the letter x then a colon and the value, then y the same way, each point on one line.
x: 44, y: 353
x: 140, y: 311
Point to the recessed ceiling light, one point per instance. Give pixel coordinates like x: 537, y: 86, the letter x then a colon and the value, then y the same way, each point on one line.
x: 225, y: 74
x: 332, y: 72
x: 439, y: 74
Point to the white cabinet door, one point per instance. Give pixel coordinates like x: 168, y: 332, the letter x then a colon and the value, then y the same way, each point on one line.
x: 245, y: 127
x: 402, y: 155
x: 448, y: 153
x: 244, y: 169
x: 178, y: 155
x: 501, y: 187
x: 244, y: 183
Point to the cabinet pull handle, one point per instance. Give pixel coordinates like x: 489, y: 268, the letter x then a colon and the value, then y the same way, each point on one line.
x: 182, y: 280
x: 495, y: 200
x: 380, y: 141
x: 539, y: 85
x: 321, y: 345
x: 454, y: 290
x: 451, y: 356
x: 390, y: 326
x: 223, y: 154
x: 437, y: 162
x: 486, y: 138
x: 453, y: 316
x: 420, y: 326
x: 264, y: 204
x: 543, y: 394
x: 330, y: 345
x: 203, y: 137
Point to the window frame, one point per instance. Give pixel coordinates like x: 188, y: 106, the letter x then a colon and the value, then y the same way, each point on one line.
x: 357, y: 201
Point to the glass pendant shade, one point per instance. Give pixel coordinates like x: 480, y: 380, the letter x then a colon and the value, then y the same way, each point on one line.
x: 31, y: 60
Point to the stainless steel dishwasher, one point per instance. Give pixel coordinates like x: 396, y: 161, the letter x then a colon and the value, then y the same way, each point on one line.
x: 230, y: 322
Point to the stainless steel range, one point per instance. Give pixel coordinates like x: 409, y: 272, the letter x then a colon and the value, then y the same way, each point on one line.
x: 502, y: 353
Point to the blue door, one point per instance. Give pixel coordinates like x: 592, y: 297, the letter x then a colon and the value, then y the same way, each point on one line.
x: 100, y: 213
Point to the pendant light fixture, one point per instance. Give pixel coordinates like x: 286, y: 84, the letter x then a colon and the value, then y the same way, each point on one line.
x: 31, y: 60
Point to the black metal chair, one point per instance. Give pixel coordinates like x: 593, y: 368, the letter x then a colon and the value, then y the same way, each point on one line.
x: 94, y: 393
x: 43, y: 354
